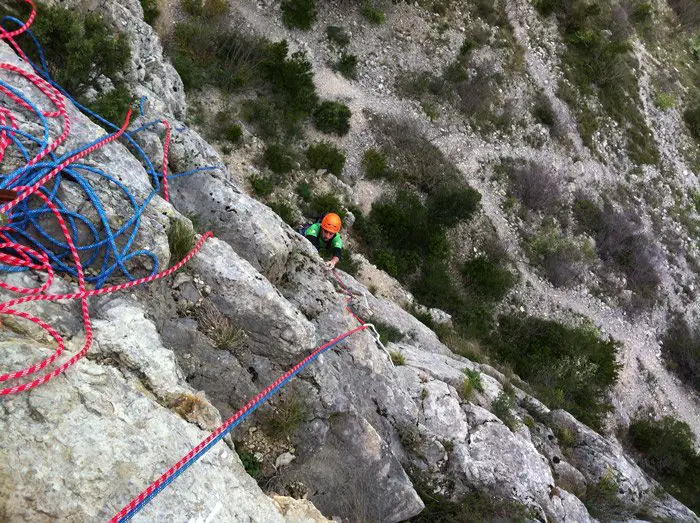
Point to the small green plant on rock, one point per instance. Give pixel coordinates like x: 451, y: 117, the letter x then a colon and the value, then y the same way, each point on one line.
x: 471, y: 383
x: 150, y: 11
x: 347, y: 66
x: 262, y: 185
x: 285, y: 418
x: 397, y: 358
x: 337, y: 35
x: 180, y: 240
x: 371, y: 13
x: 279, y: 158
x: 503, y: 407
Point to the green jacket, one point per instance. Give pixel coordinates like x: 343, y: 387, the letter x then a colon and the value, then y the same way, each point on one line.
x: 335, y: 244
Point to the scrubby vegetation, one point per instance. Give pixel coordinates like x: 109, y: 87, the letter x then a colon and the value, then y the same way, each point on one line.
x: 681, y: 348
x: 598, y: 63
x: 80, y: 49
x: 299, y: 14
x: 667, y: 451
x: 332, y: 118
x: 569, y: 368
x: 324, y: 155
x: 180, y: 240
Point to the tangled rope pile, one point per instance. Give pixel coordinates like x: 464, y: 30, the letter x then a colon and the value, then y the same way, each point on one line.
x: 26, y: 243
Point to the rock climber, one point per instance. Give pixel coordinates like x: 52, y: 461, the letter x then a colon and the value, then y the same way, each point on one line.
x: 325, y: 234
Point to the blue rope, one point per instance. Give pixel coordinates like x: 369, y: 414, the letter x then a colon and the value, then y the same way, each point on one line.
x: 224, y: 433
x: 105, y: 248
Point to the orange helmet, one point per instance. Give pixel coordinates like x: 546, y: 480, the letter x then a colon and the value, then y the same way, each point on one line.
x: 331, y: 222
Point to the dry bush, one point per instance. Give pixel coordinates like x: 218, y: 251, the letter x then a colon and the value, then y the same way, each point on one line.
x: 536, y: 186
x: 687, y: 12
x: 622, y: 240
x: 224, y: 334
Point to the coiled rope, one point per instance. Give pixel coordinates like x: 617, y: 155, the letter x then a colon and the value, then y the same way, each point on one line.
x: 24, y: 242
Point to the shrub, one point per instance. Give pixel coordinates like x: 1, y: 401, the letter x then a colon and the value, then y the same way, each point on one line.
x: 221, y: 57
x: 471, y: 383
x: 325, y: 155
x: 570, y: 368
x: 371, y: 13
x: 332, y: 117
x: 114, y: 105
x: 269, y: 120
x: 387, y: 333
x: 326, y: 202
x: 474, y: 506
x: 250, y: 463
x: 675, y: 462
x: 397, y: 358
x: 304, y: 191
x: 150, y: 11
x: 588, y: 215
x: 79, y: 48
x: 291, y: 80
x: 374, y: 164
x: 337, y: 35
x: 279, y: 158
x: 347, y: 263
x: 299, y: 14
x: 285, y: 211
x: 233, y: 133
x: 634, y: 251
x: 180, y: 240
x: 692, y: 119
x: 285, y: 418
x: 450, y: 204
x: 562, y: 260
x: 602, y: 502
x: 262, y: 185
x: 503, y: 407
x: 347, y: 66
x: 486, y: 279
x: 224, y: 334
x: 664, y: 100
x: 681, y: 348
x: 210, y: 9
x: 536, y: 186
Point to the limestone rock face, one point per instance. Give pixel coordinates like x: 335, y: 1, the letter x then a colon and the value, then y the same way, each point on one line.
x: 81, y: 446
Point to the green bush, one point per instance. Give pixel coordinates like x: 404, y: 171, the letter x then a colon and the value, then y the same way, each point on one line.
x: 79, y: 48
x: 324, y: 155
x: 347, y: 264
x: 371, y: 13
x: 326, y: 202
x: 471, y: 383
x: 477, y: 506
x: 486, y: 279
x: 209, y: 9
x: 285, y: 211
x: 450, y: 204
x: 332, y: 117
x: 150, y: 10
x: 503, y: 407
x: 374, y: 164
x: 233, y: 133
x: 337, y: 35
x: 262, y: 186
x: 250, y: 463
x: 291, y: 79
x: 664, y: 100
x: 692, y: 119
x: 387, y: 333
x: 602, y: 502
x: 570, y: 368
x: 299, y: 14
x: 668, y: 453
x: 304, y: 191
x: 270, y: 120
x: 113, y: 105
x: 279, y: 158
x: 347, y: 66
